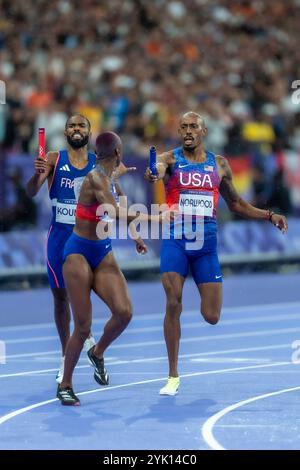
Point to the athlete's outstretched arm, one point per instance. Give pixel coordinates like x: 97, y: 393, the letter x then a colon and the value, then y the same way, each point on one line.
x: 102, y: 193
x: 164, y: 160
x: 241, y: 207
x: 101, y: 189
x: 122, y: 170
x: 45, y: 166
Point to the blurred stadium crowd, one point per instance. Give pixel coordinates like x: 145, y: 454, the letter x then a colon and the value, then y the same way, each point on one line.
x: 135, y: 66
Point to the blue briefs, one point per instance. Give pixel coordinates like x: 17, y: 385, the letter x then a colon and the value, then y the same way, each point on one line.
x: 94, y: 251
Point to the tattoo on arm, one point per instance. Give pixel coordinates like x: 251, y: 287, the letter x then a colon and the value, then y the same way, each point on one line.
x: 235, y: 203
x: 165, y: 159
x: 227, y: 190
x: 164, y: 163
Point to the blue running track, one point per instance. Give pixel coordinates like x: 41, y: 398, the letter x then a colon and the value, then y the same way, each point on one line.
x: 240, y: 379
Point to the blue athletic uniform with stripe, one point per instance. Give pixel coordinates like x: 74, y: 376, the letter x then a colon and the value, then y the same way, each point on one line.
x: 63, y: 192
x: 191, y: 240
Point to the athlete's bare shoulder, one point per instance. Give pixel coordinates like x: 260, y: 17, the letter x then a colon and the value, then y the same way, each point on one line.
x: 97, y: 180
x: 93, y: 178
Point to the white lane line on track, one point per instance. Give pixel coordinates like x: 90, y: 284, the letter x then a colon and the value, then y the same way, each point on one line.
x: 207, y: 428
x: 184, y: 326
x: 193, y: 357
x: 20, y: 411
x: 225, y: 310
x: 226, y: 351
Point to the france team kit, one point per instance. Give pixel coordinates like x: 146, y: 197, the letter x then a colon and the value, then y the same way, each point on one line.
x: 63, y: 192
x: 191, y: 241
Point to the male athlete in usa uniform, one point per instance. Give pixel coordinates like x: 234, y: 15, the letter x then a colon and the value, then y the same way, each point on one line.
x: 193, y: 178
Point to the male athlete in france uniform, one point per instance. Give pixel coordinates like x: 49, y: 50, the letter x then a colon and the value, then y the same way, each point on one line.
x: 64, y: 171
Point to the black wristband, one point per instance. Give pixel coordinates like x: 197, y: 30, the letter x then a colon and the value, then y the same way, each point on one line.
x: 270, y: 214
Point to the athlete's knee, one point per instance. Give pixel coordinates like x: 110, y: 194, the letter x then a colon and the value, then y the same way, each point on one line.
x: 123, y: 314
x: 213, y: 319
x: 84, y: 334
x: 211, y: 316
x: 82, y: 330
x: 174, y: 304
